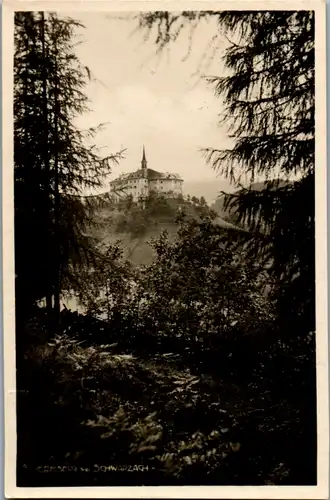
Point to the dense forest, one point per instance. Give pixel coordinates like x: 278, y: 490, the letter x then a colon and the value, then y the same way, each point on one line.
x: 196, y: 365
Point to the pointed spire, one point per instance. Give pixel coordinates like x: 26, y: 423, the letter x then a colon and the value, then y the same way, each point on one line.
x: 144, y: 160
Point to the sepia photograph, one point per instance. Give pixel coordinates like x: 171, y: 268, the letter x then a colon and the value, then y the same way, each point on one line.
x: 166, y: 318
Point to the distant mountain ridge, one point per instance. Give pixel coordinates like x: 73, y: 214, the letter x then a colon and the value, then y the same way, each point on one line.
x: 229, y: 215
x: 210, y: 189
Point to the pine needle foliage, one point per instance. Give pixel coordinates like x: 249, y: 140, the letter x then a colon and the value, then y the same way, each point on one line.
x: 267, y: 92
x: 55, y: 161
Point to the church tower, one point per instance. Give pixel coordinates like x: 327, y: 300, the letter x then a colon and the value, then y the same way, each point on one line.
x: 144, y: 161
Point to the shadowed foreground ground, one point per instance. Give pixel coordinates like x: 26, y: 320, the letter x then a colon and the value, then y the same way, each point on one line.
x: 93, y: 414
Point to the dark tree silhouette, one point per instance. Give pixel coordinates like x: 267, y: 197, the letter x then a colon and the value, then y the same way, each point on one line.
x: 268, y: 94
x: 54, y: 160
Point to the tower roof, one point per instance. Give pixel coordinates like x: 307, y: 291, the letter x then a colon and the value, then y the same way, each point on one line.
x: 144, y: 160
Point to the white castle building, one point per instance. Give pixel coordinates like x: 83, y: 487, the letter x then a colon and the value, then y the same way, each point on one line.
x: 145, y: 181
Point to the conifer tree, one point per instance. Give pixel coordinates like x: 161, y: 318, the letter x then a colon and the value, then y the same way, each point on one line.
x: 268, y: 94
x: 30, y: 161
x: 54, y: 160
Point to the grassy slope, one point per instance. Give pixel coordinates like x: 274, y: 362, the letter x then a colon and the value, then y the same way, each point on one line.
x: 140, y: 227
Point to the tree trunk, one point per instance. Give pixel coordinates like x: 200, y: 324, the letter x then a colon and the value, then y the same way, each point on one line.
x: 57, y: 248
x: 47, y: 181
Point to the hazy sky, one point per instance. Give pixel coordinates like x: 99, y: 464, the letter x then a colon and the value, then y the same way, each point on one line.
x: 149, y: 99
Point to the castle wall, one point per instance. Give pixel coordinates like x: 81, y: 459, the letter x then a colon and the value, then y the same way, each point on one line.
x: 176, y: 186
x: 166, y: 186
x: 138, y: 185
x: 130, y: 187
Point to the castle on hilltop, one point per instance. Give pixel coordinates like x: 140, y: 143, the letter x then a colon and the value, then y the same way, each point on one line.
x: 145, y: 181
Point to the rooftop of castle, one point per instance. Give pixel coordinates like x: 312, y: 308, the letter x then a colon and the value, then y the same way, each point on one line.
x: 150, y: 175
x: 147, y: 173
